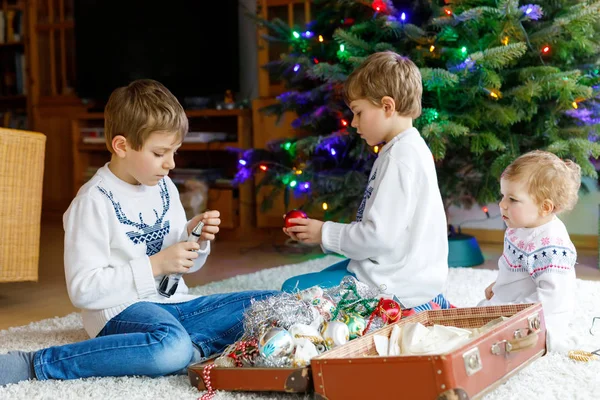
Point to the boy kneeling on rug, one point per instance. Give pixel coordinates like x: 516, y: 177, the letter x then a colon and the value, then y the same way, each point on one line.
x: 538, y: 262
x: 124, y: 231
x: 399, y: 241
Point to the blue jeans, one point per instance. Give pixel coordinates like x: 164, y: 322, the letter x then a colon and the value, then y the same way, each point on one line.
x: 327, y: 278
x: 152, y: 339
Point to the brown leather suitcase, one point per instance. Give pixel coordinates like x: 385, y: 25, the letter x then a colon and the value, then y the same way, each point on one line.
x: 290, y: 380
x: 356, y: 371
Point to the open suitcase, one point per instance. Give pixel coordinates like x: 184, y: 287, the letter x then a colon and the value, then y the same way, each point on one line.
x: 467, y: 372
x: 354, y: 370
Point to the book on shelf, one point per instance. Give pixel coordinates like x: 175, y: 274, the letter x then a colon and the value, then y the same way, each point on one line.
x: 92, y: 135
x: 96, y: 135
x: 14, y: 120
x: 210, y: 175
x: 11, y: 22
x: 207, y: 137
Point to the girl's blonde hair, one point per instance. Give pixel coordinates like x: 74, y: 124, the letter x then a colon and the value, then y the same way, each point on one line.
x: 387, y: 74
x: 547, y: 177
x: 137, y: 110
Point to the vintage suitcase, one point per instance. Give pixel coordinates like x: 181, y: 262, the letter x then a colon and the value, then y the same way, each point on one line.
x: 467, y: 372
x: 290, y: 380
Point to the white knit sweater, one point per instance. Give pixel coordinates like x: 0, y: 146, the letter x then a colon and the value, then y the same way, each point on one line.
x: 400, y: 239
x: 111, y: 229
x: 538, y: 266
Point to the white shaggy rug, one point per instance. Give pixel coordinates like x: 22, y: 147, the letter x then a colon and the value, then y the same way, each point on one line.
x: 554, y: 376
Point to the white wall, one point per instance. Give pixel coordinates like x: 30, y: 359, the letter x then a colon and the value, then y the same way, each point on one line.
x: 582, y: 220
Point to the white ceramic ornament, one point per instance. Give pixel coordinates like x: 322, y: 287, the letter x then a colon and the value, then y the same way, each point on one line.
x: 310, y: 294
x: 305, y: 350
x: 306, y: 331
x: 336, y: 332
x: 318, y: 319
x: 325, y: 307
x: 276, y: 342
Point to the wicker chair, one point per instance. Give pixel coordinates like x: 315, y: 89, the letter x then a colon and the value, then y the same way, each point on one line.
x: 21, y: 176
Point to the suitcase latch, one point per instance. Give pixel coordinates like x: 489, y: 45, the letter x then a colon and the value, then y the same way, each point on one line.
x: 472, y: 360
x: 534, y: 322
x: 501, y: 347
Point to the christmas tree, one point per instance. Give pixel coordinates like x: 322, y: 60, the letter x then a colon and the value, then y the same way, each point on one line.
x: 500, y: 78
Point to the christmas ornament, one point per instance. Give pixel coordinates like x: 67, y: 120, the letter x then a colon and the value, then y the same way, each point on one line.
x: 325, y: 307
x: 336, y: 333
x: 310, y: 294
x: 379, y: 6
x: 294, y: 214
x: 276, y: 342
x: 306, y: 332
x: 305, y: 350
x: 389, y: 310
x: 356, y: 325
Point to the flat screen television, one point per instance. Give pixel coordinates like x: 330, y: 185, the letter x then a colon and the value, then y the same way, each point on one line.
x: 191, y: 46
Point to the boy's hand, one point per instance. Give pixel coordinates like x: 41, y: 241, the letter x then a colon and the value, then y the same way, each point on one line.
x: 307, y: 230
x: 176, y: 259
x: 211, y: 224
x: 489, y: 293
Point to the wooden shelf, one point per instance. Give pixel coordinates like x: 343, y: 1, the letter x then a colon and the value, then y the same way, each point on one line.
x: 184, y: 147
x: 9, y: 44
x: 236, y: 202
x: 219, y: 113
x: 209, y: 112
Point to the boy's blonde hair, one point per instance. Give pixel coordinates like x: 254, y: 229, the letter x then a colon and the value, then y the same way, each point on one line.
x: 547, y: 177
x: 387, y: 74
x: 137, y: 110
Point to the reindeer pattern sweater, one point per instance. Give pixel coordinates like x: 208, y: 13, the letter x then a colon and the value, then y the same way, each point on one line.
x: 111, y: 230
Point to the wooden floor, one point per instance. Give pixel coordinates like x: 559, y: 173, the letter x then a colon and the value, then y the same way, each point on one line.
x: 25, y: 302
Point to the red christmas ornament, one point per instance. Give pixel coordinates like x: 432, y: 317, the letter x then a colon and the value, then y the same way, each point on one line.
x: 379, y: 6
x: 389, y: 311
x: 293, y: 214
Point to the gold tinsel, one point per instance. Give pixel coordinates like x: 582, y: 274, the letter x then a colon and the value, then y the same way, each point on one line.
x: 580, y: 355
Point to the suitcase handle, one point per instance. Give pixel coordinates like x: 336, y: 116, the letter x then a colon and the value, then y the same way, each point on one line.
x: 519, y: 343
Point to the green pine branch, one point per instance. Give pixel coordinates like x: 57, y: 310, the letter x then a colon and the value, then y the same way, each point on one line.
x: 352, y: 41
x: 437, y: 78
x: 327, y: 72
x: 485, y: 141
x: 499, y: 57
